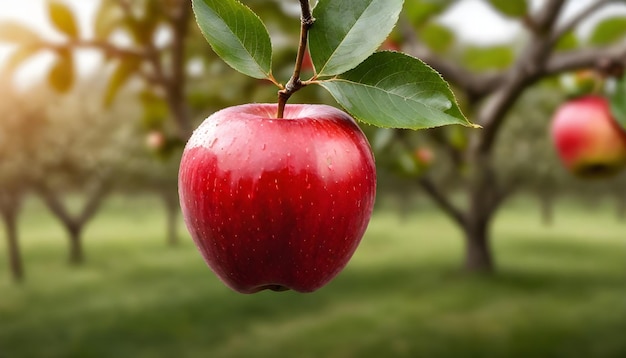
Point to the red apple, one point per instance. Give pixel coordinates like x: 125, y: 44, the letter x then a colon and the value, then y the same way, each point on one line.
x: 390, y: 45
x: 424, y: 156
x: 155, y: 140
x: 307, y: 64
x: 588, y: 140
x: 277, y: 203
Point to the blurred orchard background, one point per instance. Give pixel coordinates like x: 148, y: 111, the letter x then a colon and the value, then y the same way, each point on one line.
x: 481, y: 243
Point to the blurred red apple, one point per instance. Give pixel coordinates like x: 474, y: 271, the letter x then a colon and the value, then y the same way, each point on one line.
x: 424, y: 156
x: 589, y: 141
x: 307, y: 63
x: 155, y: 140
x: 390, y: 45
x: 277, y: 203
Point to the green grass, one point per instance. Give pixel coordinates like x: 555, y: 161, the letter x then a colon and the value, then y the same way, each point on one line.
x: 559, y: 292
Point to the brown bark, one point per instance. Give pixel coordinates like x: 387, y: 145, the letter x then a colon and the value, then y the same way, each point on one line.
x: 74, y: 225
x: 478, y: 255
x: 170, y: 199
x: 9, y: 208
x: 76, y: 252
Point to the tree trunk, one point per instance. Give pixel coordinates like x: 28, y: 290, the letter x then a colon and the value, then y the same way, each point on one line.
x: 171, y: 207
x: 10, y: 205
x: 15, y: 257
x: 547, y: 209
x: 478, y: 255
x: 486, y: 194
x: 76, y: 254
x: 74, y: 224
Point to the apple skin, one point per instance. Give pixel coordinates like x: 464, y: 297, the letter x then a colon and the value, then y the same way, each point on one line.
x: 589, y: 141
x: 277, y: 203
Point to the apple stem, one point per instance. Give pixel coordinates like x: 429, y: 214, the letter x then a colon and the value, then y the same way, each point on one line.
x: 295, y: 83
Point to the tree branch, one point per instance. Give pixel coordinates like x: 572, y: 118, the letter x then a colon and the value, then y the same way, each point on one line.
x: 583, y: 58
x: 525, y: 72
x: 546, y: 18
x: 175, y: 86
x: 109, y: 49
x: 576, y: 20
x: 94, y: 201
x: 442, y: 201
x: 475, y: 86
x: 55, y: 205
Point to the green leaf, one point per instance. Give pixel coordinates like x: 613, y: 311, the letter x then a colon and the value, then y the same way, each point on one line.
x: 395, y: 90
x: 437, y: 37
x: 618, y: 102
x: 567, y: 42
x: 382, y: 138
x: 420, y: 11
x: 346, y: 32
x: 108, y: 18
x: 155, y: 110
x: 19, y: 56
x: 236, y: 34
x: 488, y: 58
x: 61, y: 76
x: 62, y: 18
x: 511, y: 8
x: 609, y: 31
x: 16, y: 33
x: 124, y: 70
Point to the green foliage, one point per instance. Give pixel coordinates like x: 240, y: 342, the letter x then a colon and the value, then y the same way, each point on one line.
x: 61, y: 75
x: 20, y: 55
x: 488, y: 58
x: 618, y: 102
x: 62, y: 18
x: 155, y: 110
x: 143, y: 27
x: 384, y: 89
x: 437, y: 37
x: 391, y: 89
x: 420, y: 11
x: 346, y: 32
x: 236, y: 34
x: 609, y: 31
x: 511, y: 8
x: 125, y: 69
x: 567, y: 42
x: 108, y: 18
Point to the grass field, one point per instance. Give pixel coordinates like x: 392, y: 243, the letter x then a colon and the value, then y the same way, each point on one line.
x: 559, y: 292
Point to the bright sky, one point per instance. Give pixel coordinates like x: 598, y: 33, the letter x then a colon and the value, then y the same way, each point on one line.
x: 474, y: 21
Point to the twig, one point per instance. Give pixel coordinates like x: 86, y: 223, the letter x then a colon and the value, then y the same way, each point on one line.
x: 294, y: 83
x: 576, y: 20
